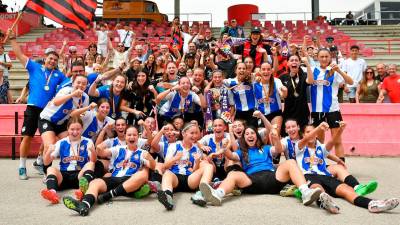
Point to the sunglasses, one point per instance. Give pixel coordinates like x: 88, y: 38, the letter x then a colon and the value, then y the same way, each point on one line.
x: 369, y: 72
x: 120, y: 46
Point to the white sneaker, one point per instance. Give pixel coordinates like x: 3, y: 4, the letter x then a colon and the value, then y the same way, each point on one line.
x: 328, y: 204
x: 310, y: 195
x: 377, y: 206
x: 210, y: 194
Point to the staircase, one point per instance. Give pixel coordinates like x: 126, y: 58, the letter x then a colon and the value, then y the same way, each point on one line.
x: 18, y: 75
x: 376, y: 37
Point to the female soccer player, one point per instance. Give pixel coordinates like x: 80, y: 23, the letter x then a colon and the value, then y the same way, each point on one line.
x: 324, y: 81
x: 130, y: 172
x: 77, y: 157
x: 259, y: 176
x: 311, y: 157
x: 182, y: 167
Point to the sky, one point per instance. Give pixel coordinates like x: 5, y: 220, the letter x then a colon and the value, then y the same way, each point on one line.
x: 219, y: 8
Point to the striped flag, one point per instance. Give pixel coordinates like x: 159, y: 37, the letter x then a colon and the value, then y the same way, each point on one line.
x: 73, y: 14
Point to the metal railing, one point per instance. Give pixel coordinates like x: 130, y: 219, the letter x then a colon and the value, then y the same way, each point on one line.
x: 379, y: 16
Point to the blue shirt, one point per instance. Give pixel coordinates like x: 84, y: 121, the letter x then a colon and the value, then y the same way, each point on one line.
x: 92, y: 126
x: 72, y: 158
x: 241, y: 95
x: 258, y: 159
x: 268, y: 104
x: 104, y: 92
x: 38, y: 96
x: 184, y: 165
x: 312, y: 162
x: 126, y: 162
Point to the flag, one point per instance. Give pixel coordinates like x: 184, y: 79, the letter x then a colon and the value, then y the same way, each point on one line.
x: 73, y: 14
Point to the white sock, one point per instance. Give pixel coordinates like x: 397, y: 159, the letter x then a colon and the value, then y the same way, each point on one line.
x: 39, y: 160
x: 22, y: 162
x: 220, y: 192
x: 303, y: 188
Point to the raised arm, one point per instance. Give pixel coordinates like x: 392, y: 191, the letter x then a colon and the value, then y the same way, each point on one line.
x: 23, y: 59
x: 303, y: 142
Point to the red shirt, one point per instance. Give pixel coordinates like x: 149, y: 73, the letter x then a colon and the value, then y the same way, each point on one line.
x: 392, y: 85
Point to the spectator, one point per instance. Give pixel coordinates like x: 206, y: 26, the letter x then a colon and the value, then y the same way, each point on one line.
x: 140, y: 53
x: 5, y: 62
x: 235, y: 30
x: 349, y: 19
x: 5, y: 93
x: 208, y: 37
x: 225, y: 28
x: 134, y: 68
x: 368, y: 89
x: 391, y: 86
x: 381, y: 70
x: 226, y: 63
x: 102, y: 39
x: 120, y: 55
x: 354, y: 67
x: 177, y: 35
x: 126, y: 36
x: 91, y: 51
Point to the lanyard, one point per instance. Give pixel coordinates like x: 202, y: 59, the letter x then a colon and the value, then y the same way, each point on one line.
x: 71, y: 148
x: 294, y: 88
x: 79, y: 104
x: 264, y: 87
x: 46, y: 87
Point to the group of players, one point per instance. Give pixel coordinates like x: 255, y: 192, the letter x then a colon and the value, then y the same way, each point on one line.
x: 103, y: 157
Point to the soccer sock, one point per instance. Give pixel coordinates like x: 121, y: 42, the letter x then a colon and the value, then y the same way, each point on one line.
x: 45, y: 167
x: 170, y: 193
x: 351, y: 181
x: 362, y: 202
x: 39, y: 160
x: 51, y: 182
x: 119, y: 191
x: 22, y: 162
x: 89, y: 175
x: 220, y: 192
x: 89, y: 200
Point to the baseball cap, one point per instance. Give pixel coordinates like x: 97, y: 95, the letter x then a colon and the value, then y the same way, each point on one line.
x: 256, y: 30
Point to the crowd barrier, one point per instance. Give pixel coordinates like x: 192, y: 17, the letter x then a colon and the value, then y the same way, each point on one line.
x: 372, y: 130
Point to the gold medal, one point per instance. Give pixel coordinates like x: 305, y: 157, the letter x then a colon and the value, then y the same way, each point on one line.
x: 77, y: 167
x: 46, y: 88
x: 113, y: 115
x: 296, y: 94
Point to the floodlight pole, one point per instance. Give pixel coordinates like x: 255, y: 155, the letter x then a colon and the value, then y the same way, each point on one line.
x: 177, y: 7
x: 315, y: 9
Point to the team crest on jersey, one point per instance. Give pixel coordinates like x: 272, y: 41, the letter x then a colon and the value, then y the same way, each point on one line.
x: 45, y: 126
x: 82, y: 148
x: 321, y: 83
x: 136, y: 157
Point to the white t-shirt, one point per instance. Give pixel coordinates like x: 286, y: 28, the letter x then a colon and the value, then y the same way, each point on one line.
x: 128, y: 34
x: 102, y: 37
x: 355, y: 69
x: 120, y: 57
x: 5, y: 58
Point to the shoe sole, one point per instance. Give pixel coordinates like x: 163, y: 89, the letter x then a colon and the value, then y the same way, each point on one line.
x: 162, y: 198
x: 48, y: 197
x: 39, y: 169
x: 313, y: 197
x: 288, y: 192
x: 70, y: 203
x: 392, y: 203
x: 199, y: 202
x: 207, y: 193
x: 371, y: 187
x: 334, y: 209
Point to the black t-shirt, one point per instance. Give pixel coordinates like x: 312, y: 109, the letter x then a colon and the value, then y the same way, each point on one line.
x: 253, y: 50
x: 228, y: 67
x: 296, y: 107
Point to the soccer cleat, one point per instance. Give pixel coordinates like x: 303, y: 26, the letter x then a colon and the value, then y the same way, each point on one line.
x: 377, y: 206
x: 50, y: 195
x: 310, y: 195
x: 83, y: 184
x: 76, y: 205
x: 165, y: 199
x: 142, y: 192
x: 328, y: 204
x: 155, y: 186
x: 365, y: 189
x: 288, y: 190
x: 38, y: 167
x: 198, y: 199
x: 79, y: 194
x: 22, y: 173
x: 210, y: 194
